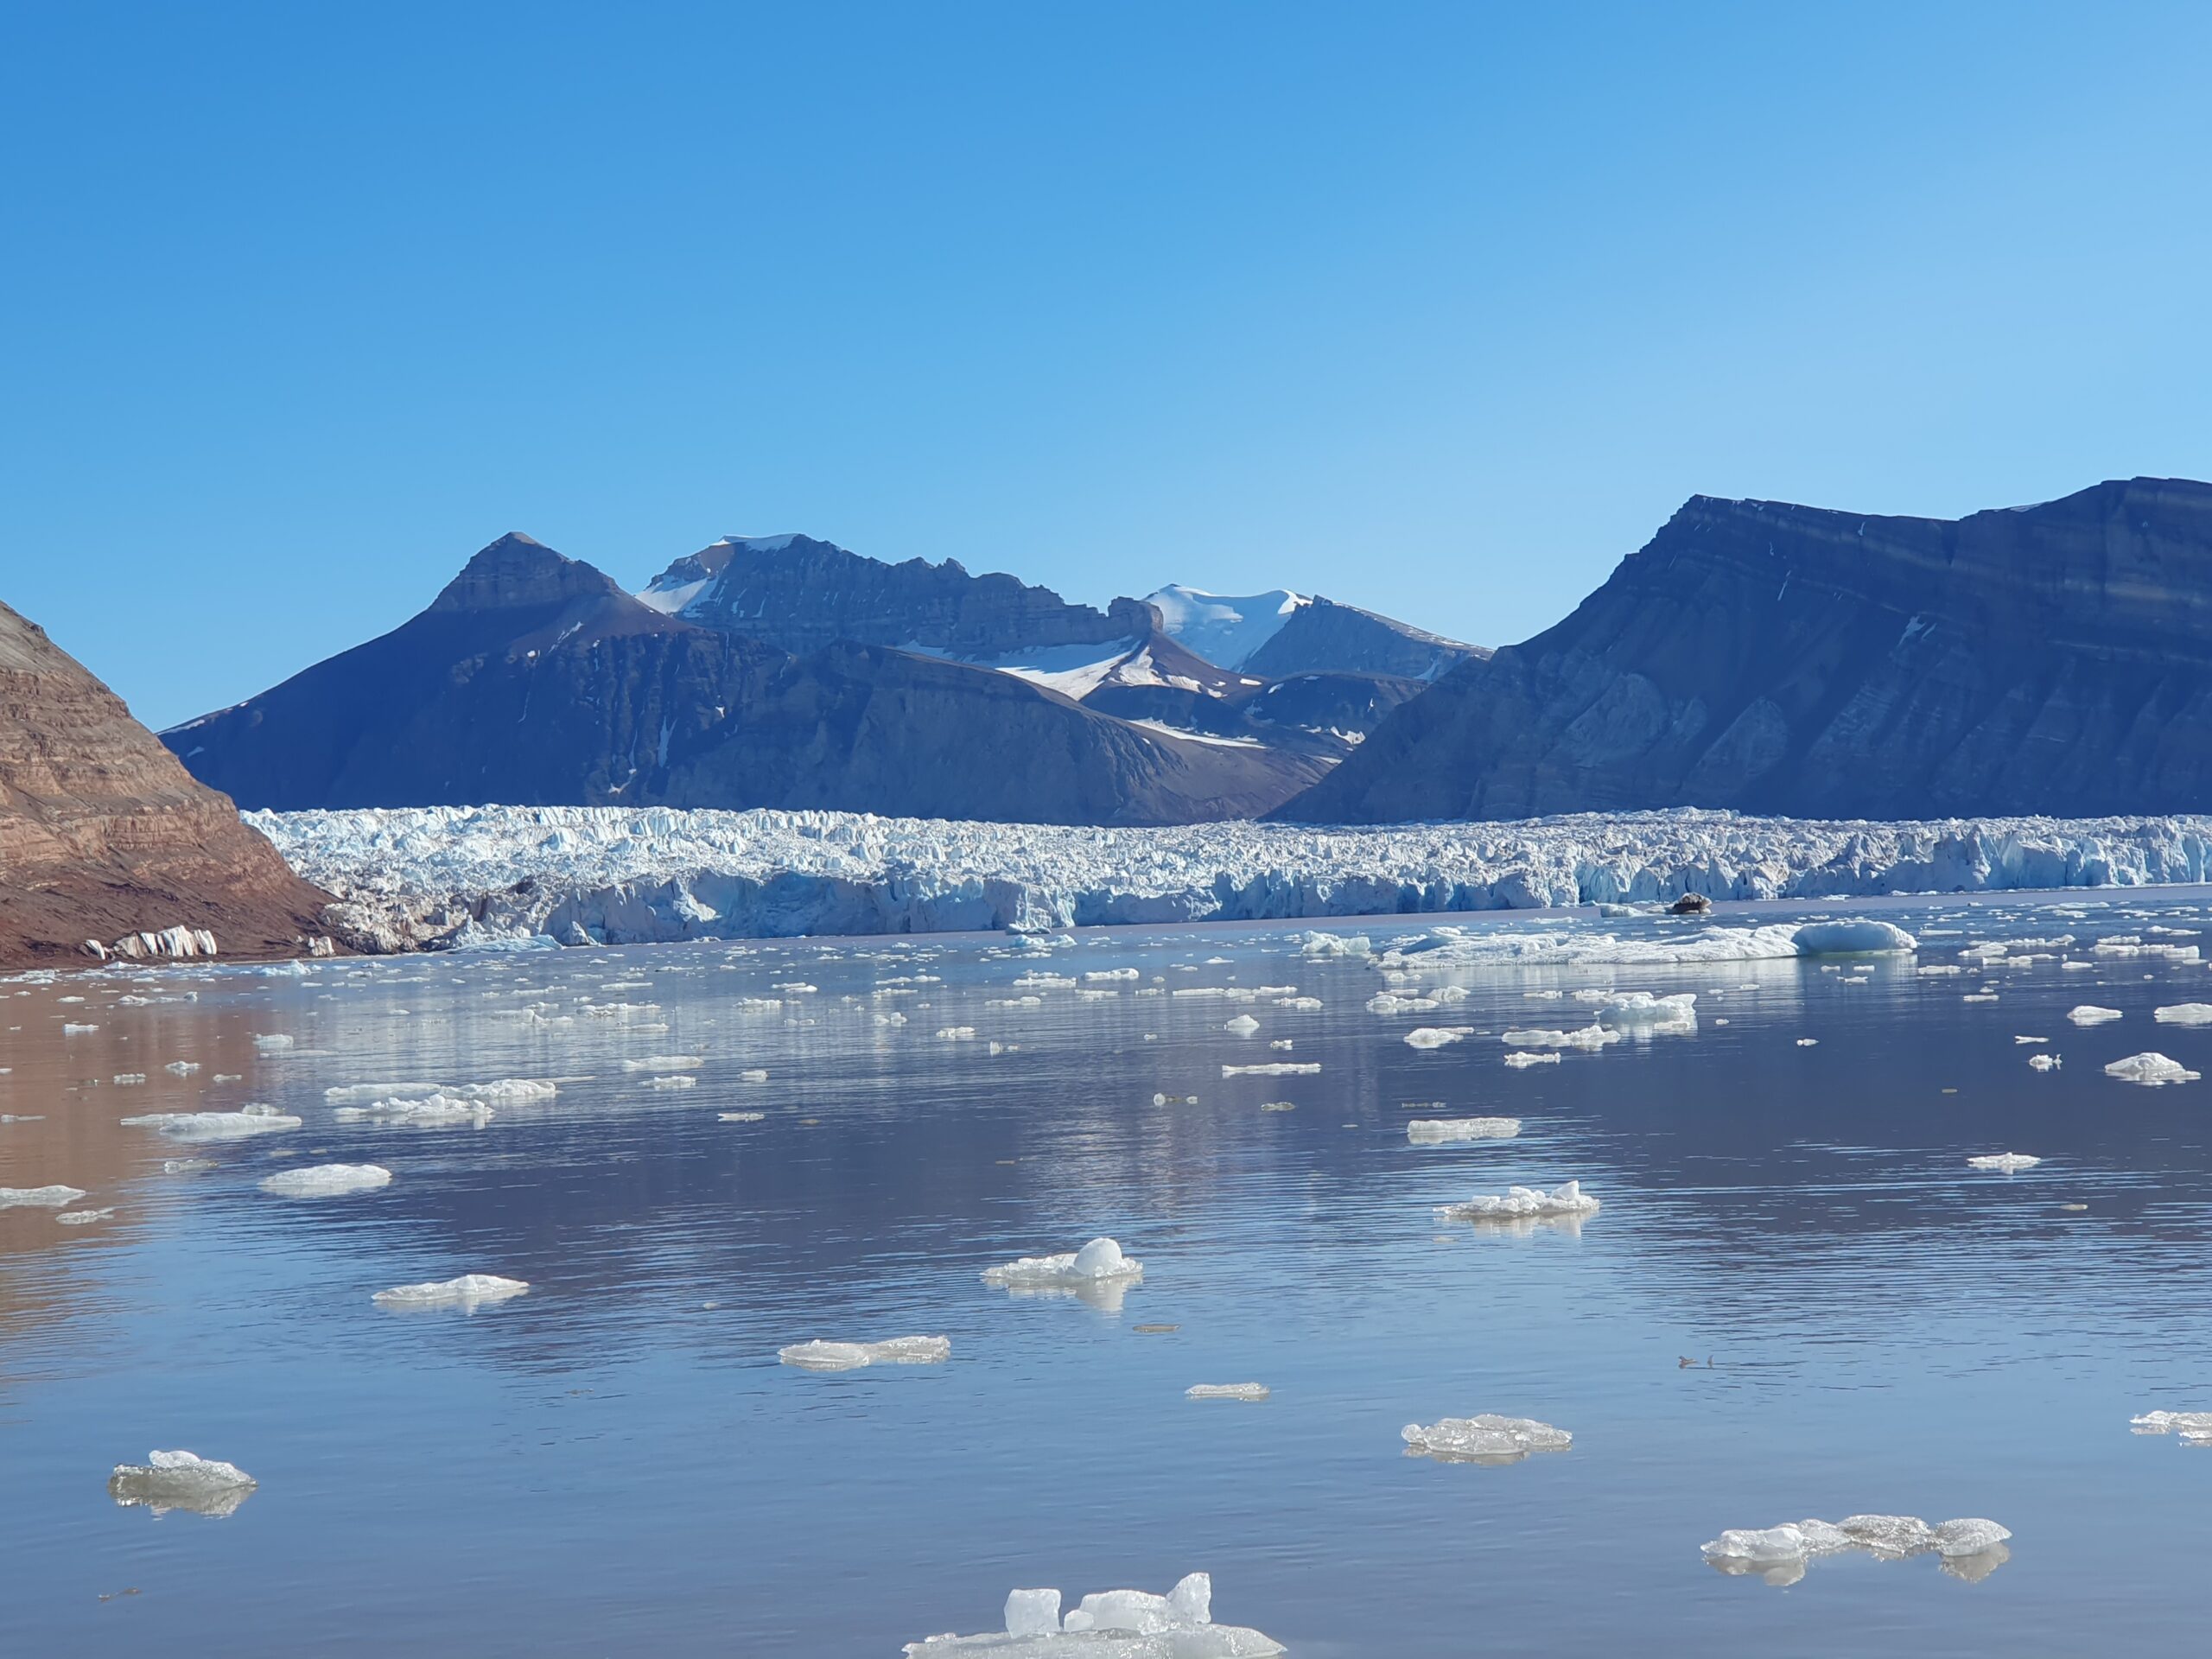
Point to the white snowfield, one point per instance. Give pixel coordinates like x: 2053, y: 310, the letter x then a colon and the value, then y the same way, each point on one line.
x: 621, y: 876
x: 1110, y: 1624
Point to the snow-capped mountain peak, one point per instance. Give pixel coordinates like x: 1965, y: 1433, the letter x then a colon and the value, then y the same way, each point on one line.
x: 1228, y: 630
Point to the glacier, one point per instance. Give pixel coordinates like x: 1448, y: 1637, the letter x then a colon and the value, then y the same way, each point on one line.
x: 617, y: 876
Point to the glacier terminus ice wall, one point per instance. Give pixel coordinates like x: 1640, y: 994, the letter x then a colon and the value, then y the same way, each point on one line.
x: 615, y: 875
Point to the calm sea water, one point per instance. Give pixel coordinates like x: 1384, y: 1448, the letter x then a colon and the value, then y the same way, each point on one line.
x: 616, y: 1464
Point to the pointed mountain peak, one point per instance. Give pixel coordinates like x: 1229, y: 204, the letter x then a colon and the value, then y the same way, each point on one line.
x: 518, y: 570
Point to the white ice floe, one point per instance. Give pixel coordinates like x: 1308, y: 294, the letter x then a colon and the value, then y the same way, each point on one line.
x: 1273, y: 1069
x: 676, y: 1080
x: 1640, y: 1011
x: 819, y: 1356
x: 253, y: 1118
x: 1437, y: 1036
x: 1437, y: 1131
x: 1251, y: 1392
x: 180, y: 1480
x: 2008, y: 1162
x: 1971, y: 1549
x: 270, y: 1042
x: 665, y: 1063
x: 469, y: 1291
x: 2045, y: 1062
x: 2184, y: 1013
x: 1583, y: 1037
x: 1484, y: 1439
x: 2194, y: 1427
x: 1244, y: 1025
x: 2088, y: 1014
x: 326, y: 1180
x: 436, y: 1111
x: 85, y: 1217
x: 1110, y: 1625
x: 2150, y: 1068
x: 1522, y: 1058
x: 48, y: 1198
x: 741, y: 1117
x: 1518, y: 1202
x: 1097, y: 1264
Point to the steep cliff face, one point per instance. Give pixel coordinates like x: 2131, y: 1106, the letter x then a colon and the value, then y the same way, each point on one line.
x: 534, y: 680
x: 1776, y: 658
x: 103, y: 834
x: 802, y: 595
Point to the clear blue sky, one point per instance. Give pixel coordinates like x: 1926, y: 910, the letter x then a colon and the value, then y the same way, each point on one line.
x: 1438, y: 309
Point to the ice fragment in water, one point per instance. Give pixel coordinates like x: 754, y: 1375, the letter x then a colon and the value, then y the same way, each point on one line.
x: 1033, y: 1612
x: 270, y: 1042
x: 679, y: 1080
x: 1249, y: 1391
x: 1274, y: 1069
x: 1111, y: 1624
x: 1565, y: 1199
x: 326, y: 1180
x: 50, y: 1197
x: 468, y: 1291
x: 2006, y: 1161
x: 438, y: 1111
x: 180, y: 1480
x: 819, y: 1356
x: 1970, y: 1548
x: 251, y: 1119
x: 1808, y: 1042
x: 1484, y: 1439
x: 1244, y: 1025
x: 2150, y: 1070
x: 741, y: 1117
x: 2088, y: 1014
x: 1100, y: 1259
x: 83, y: 1217
x: 2194, y: 1427
x: 1642, y: 1011
x: 1587, y: 1037
x: 1433, y: 1131
x: 1437, y: 1036
x: 1522, y: 1058
x: 2045, y: 1062
x: 665, y: 1063
x: 2184, y: 1013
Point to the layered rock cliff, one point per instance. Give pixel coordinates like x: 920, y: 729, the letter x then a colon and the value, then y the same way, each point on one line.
x: 104, y: 838
x: 2054, y: 659
x: 535, y: 680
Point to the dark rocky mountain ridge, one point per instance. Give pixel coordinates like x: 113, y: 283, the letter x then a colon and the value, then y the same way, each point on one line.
x: 2056, y: 658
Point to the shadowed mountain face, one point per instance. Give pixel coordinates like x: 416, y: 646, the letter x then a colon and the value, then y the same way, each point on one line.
x: 2055, y: 658
x: 102, y: 833
x: 534, y: 679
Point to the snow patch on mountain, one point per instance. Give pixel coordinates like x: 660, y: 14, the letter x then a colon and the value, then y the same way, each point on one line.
x: 622, y: 875
x: 1227, y: 630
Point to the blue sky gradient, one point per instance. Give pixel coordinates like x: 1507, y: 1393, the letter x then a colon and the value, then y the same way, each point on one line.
x: 1437, y: 310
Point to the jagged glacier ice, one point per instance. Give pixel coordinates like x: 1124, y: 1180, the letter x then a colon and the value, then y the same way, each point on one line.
x: 624, y: 875
x: 180, y: 1480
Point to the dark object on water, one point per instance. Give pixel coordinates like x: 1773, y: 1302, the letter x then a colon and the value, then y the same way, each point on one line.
x: 1691, y: 904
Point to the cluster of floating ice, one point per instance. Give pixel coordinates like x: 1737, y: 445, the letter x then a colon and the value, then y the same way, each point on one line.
x: 1521, y: 1203
x: 624, y: 875
x: 1484, y: 1439
x: 1110, y: 1625
x: 2194, y: 1427
x: 180, y: 1480
x: 1970, y: 1548
x: 819, y: 1356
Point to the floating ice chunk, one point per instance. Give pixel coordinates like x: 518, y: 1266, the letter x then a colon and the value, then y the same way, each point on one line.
x: 2152, y: 1070
x: 1437, y: 1036
x: 1969, y: 1536
x: 1273, y: 1069
x: 128, y: 1080
x: 2184, y: 1013
x: 180, y: 1480
x: 48, y: 1197
x: 1436, y: 1131
x: 439, y: 1111
x: 741, y: 1117
x: 253, y: 1118
x: 1779, y: 1553
x: 2194, y: 1427
x: 1337, y: 945
x: 756, y: 1075
x: 72, y: 1030
x: 1244, y: 1025
x: 347, y: 1094
x: 1522, y: 1057
x: 1110, y: 1624
x: 2088, y: 1014
x: 468, y: 1293
x: 1642, y: 1011
x: 2006, y: 1161
x: 1248, y: 1391
x: 1565, y: 1199
x: 2031, y: 1040
x: 1587, y: 1037
x: 187, y: 1166
x: 181, y: 1068
x: 326, y: 1180
x: 679, y: 1080
x: 1853, y: 937
x: 665, y: 1063
x: 83, y: 1217
x: 819, y: 1356
x: 957, y: 1034
x: 1100, y: 1260
x: 2045, y: 1062
x: 270, y: 1042
x: 1808, y: 1042
x: 1033, y: 1612
x: 1484, y: 1439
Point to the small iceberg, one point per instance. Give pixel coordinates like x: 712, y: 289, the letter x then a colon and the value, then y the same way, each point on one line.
x: 468, y: 1293
x: 326, y: 1180
x: 2193, y: 1427
x: 1101, y: 1258
x: 1519, y: 1202
x: 45, y: 1198
x: 251, y: 1119
x: 1587, y: 1037
x: 1522, y: 1057
x: 665, y: 1063
x: 440, y: 1110
x: 2152, y: 1070
x: 1443, y: 1131
x: 1485, y: 1439
x: 819, y: 1356
x: 180, y: 1480
x: 2088, y: 1014
x: 1853, y: 937
x: 1273, y: 1069
x: 1250, y: 1392
x: 1642, y: 1011
x: 2008, y: 1162
x: 1178, y: 1625
x: 1244, y: 1025
x: 1437, y: 1036
x: 2183, y: 1013
x: 1971, y: 1549
x: 2044, y: 1062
